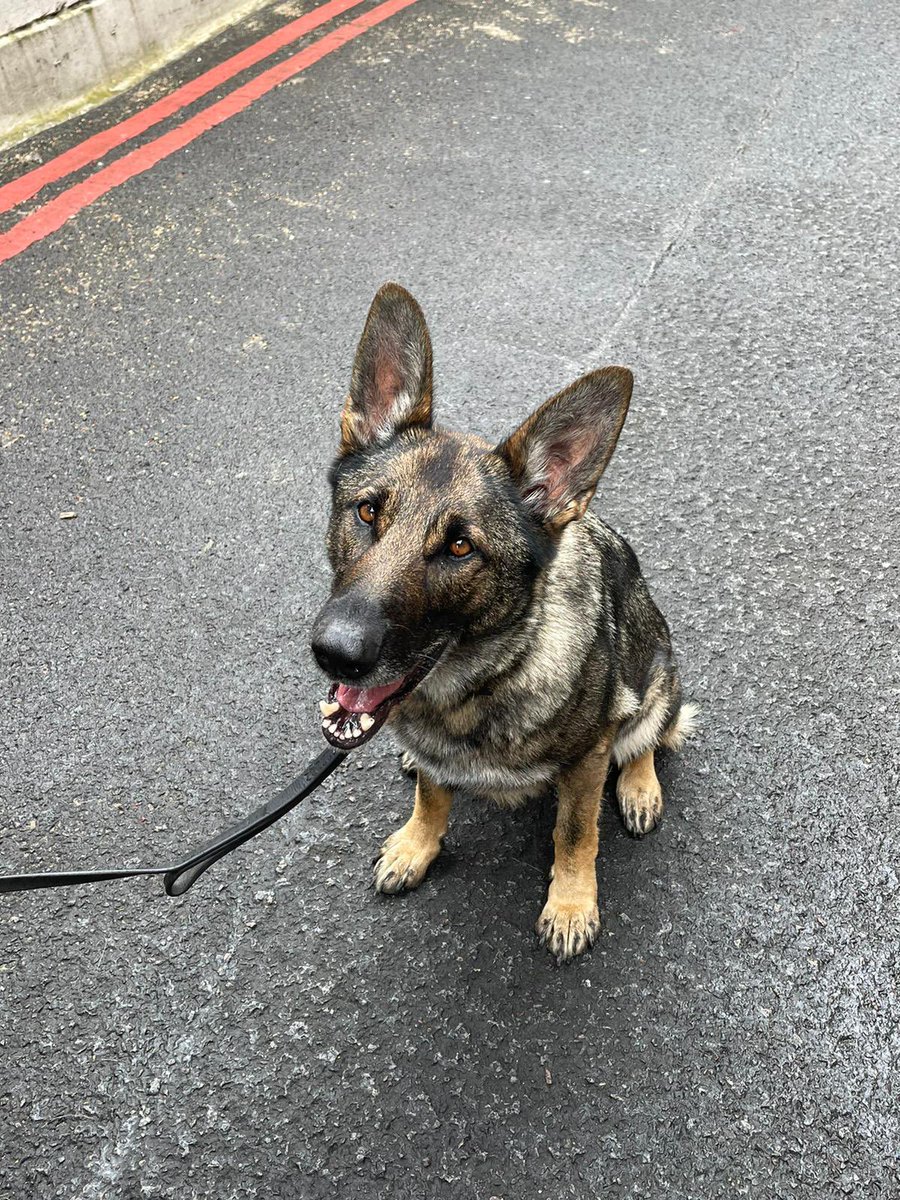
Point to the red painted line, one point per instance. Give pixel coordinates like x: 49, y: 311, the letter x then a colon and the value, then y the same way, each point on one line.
x: 94, y: 148
x: 54, y: 214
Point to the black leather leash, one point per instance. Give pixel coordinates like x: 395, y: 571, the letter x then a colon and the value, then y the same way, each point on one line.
x: 179, y: 878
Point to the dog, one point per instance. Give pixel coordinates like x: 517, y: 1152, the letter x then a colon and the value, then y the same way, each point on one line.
x: 502, y: 632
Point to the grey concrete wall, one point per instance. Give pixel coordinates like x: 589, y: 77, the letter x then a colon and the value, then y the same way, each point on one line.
x: 59, y: 57
x: 15, y: 14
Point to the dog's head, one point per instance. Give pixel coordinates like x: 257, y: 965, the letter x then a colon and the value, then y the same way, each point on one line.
x: 437, y: 538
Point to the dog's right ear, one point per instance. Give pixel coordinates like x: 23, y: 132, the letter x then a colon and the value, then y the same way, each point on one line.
x: 390, y: 389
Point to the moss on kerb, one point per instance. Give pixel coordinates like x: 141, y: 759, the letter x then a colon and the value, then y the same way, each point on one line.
x: 129, y: 73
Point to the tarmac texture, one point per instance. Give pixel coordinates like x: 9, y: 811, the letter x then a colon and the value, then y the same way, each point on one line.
x: 705, y: 191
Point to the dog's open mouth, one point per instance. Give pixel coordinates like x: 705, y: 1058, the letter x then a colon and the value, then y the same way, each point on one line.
x: 351, y: 715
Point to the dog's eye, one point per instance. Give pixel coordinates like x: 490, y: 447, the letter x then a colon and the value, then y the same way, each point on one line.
x: 366, y: 512
x: 461, y: 547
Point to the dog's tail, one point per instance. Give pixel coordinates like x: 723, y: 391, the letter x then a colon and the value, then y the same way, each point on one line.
x: 683, y: 726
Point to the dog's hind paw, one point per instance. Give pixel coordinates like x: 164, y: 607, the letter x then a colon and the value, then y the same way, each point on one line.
x: 641, y: 809
x: 404, y: 859
x: 640, y: 796
x: 568, y: 930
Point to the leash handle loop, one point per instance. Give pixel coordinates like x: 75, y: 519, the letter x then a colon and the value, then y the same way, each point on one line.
x: 180, y: 877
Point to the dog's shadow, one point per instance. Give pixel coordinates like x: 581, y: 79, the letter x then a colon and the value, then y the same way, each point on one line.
x: 489, y: 846
x: 525, y: 834
x: 489, y: 883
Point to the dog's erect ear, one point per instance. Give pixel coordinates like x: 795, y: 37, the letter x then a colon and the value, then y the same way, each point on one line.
x: 391, y: 385
x: 557, y: 456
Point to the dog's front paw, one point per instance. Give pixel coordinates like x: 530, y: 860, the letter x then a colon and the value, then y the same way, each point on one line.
x: 405, y: 858
x: 568, y: 928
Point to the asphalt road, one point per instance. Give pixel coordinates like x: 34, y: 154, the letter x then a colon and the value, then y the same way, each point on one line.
x: 707, y: 192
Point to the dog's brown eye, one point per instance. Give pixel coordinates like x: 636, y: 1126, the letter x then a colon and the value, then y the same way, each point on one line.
x: 366, y: 512
x: 461, y: 547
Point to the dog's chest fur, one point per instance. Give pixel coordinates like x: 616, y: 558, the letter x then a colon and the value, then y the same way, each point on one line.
x: 501, y: 716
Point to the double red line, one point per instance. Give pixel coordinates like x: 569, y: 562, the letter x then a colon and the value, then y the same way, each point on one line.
x: 54, y: 213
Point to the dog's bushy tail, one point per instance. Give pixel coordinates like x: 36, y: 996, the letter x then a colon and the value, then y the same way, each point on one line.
x: 685, y: 725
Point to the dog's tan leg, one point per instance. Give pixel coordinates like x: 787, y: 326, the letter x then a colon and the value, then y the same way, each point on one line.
x: 640, y: 796
x: 570, y: 921
x: 407, y: 854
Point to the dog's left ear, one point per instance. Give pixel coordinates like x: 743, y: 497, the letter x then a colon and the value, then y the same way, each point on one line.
x: 557, y: 456
x: 390, y: 389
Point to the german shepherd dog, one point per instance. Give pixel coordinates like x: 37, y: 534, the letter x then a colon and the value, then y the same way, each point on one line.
x: 502, y: 631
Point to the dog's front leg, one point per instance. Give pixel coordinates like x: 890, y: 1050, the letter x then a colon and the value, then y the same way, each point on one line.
x: 407, y: 854
x: 570, y: 921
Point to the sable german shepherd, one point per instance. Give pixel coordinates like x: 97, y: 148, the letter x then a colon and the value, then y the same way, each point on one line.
x: 504, y: 633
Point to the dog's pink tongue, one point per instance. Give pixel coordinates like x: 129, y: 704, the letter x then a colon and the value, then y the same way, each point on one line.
x: 365, y: 700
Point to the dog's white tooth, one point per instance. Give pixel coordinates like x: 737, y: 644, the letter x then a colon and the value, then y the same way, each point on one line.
x: 328, y: 710
x: 366, y: 721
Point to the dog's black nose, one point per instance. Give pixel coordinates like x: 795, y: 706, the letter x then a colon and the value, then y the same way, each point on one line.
x: 348, y: 636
